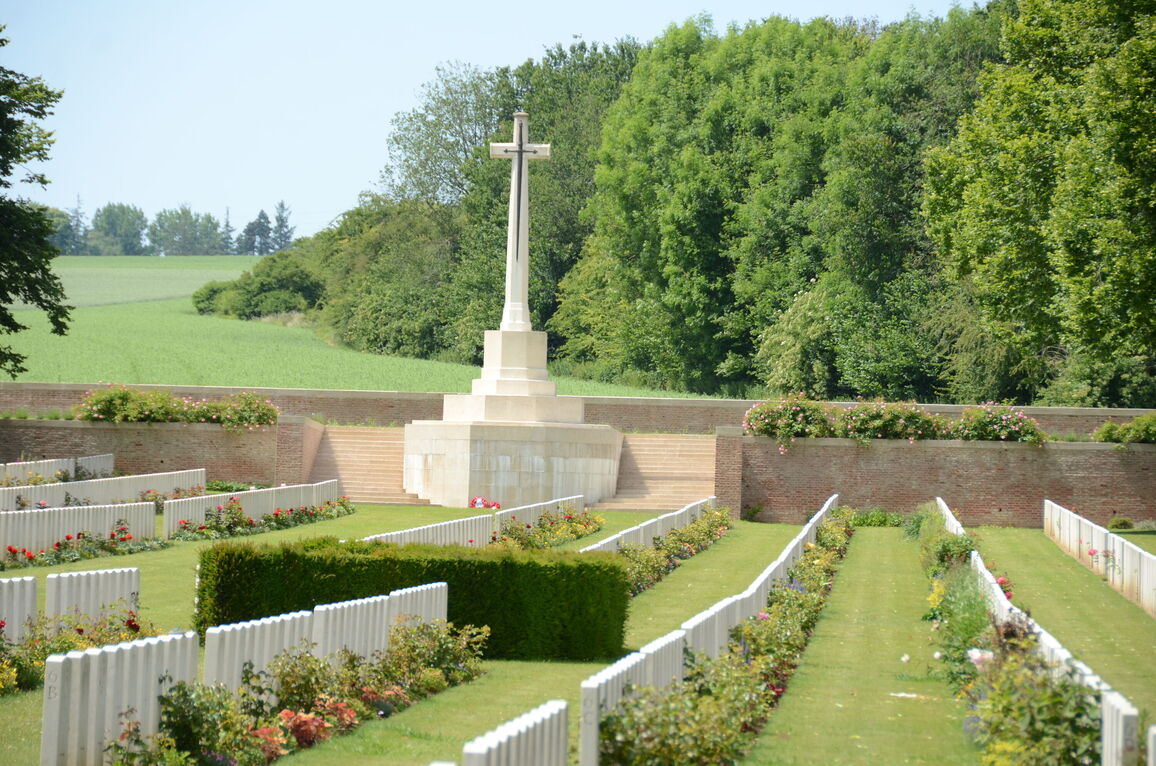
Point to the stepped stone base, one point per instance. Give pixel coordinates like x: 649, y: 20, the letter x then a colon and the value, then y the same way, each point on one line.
x: 448, y: 463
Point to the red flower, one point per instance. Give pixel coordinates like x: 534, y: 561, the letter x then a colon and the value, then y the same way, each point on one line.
x: 30, y: 555
x: 68, y: 537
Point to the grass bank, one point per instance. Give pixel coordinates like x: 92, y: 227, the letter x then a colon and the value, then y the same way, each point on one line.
x: 134, y: 323
x: 853, y: 700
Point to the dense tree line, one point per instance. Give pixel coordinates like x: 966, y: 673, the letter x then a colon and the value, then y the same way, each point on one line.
x: 121, y: 229
x: 953, y: 209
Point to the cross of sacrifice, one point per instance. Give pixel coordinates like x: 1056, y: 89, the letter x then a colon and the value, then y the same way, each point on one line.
x: 516, y: 313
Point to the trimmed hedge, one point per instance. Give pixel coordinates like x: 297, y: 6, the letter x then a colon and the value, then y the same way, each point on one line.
x: 539, y: 605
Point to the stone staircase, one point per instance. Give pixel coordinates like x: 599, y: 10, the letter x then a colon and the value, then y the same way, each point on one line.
x: 368, y: 461
x: 662, y: 472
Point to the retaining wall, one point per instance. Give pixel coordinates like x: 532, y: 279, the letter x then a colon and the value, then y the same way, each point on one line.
x: 385, y: 408
x: 990, y: 483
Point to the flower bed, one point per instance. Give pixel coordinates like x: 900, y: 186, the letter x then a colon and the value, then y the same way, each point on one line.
x: 713, y: 714
x: 552, y: 528
x: 796, y: 416
x: 119, y: 541
x: 230, y: 520
x: 317, y: 698
x: 121, y: 404
x: 22, y: 663
x: 1025, y: 710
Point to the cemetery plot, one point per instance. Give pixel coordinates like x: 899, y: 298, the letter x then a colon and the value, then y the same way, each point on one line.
x: 59, y: 469
x: 1098, y: 625
x: 97, y: 491
x: 853, y: 698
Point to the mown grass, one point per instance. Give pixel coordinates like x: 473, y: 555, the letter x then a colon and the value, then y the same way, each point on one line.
x: 1108, y: 632
x: 134, y: 323
x: 1144, y: 538
x: 841, y: 706
x: 438, y: 727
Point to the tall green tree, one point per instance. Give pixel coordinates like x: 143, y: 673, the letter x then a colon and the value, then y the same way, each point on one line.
x: 184, y: 232
x: 228, y: 243
x: 256, y: 237
x: 25, y: 251
x: 1044, y: 205
x: 281, y: 235
x: 118, y: 229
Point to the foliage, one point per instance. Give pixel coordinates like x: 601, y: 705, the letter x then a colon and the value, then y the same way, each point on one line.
x: 993, y: 422
x: 81, y: 546
x: 1120, y: 522
x: 646, y: 565
x: 1139, y: 430
x: 1042, y: 203
x: 25, y: 251
x: 551, y: 529
x: 118, y: 229
x: 784, y: 419
x: 121, y: 404
x: 230, y: 520
x: 279, y: 283
x: 712, y: 715
x: 959, y: 622
x: 884, y: 420
x: 875, y: 517
x: 538, y: 604
x: 315, y: 698
x: 158, y: 498
x: 184, y: 232
x: 1027, y: 712
x: 756, y: 207
x: 22, y: 663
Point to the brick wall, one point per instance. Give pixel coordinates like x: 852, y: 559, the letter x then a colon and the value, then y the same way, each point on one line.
x: 248, y: 456
x: 630, y: 414
x: 983, y: 482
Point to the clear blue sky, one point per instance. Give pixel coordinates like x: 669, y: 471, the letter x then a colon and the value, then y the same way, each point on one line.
x: 241, y: 103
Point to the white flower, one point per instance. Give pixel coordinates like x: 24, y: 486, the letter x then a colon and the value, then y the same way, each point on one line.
x: 938, y: 655
x: 905, y: 658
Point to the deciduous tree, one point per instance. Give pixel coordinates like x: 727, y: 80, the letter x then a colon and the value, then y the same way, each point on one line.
x: 25, y: 251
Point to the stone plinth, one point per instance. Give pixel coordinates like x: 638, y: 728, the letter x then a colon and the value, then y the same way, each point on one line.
x: 449, y: 463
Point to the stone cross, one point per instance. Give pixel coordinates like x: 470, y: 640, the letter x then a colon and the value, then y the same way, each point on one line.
x: 516, y: 314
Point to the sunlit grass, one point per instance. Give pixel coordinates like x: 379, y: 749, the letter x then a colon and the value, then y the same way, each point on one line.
x: 134, y: 323
x: 852, y: 700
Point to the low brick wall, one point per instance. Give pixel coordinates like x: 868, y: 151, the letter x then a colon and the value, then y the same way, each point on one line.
x: 628, y: 414
x: 983, y: 482
x: 247, y: 456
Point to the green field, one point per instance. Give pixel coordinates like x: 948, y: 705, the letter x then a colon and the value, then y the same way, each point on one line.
x: 134, y: 323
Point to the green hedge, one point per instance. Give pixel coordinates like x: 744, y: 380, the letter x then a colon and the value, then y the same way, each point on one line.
x: 540, y: 605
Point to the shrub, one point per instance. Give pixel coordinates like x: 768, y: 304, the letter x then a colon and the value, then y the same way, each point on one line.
x: 1141, y: 429
x: 230, y: 520
x: 22, y: 663
x: 882, y: 420
x: 538, y: 604
x: 997, y: 422
x: 551, y: 529
x: 875, y: 517
x: 784, y: 419
x: 1120, y: 522
x: 1026, y: 711
x: 121, y: 404
x: 205, y: 296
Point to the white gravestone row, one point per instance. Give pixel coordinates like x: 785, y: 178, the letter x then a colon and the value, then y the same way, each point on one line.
x: 40, y: 529
x: 1119, y: 718
x: 99, y: 491
x: 254, y: 502
x: 643, y: 534
x: 659, y: 663
x: 86, y: 594
x: 86, y: 692
x: 20, y: 472
x: 537, y: 738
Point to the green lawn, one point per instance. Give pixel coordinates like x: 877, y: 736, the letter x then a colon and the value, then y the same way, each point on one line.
x: 853, y: 700
x: 1145, y: 539
x: 1116, y: 638
x: 134, y: 323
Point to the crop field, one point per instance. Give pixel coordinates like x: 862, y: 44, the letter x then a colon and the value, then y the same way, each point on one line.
x: 134, y: 323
